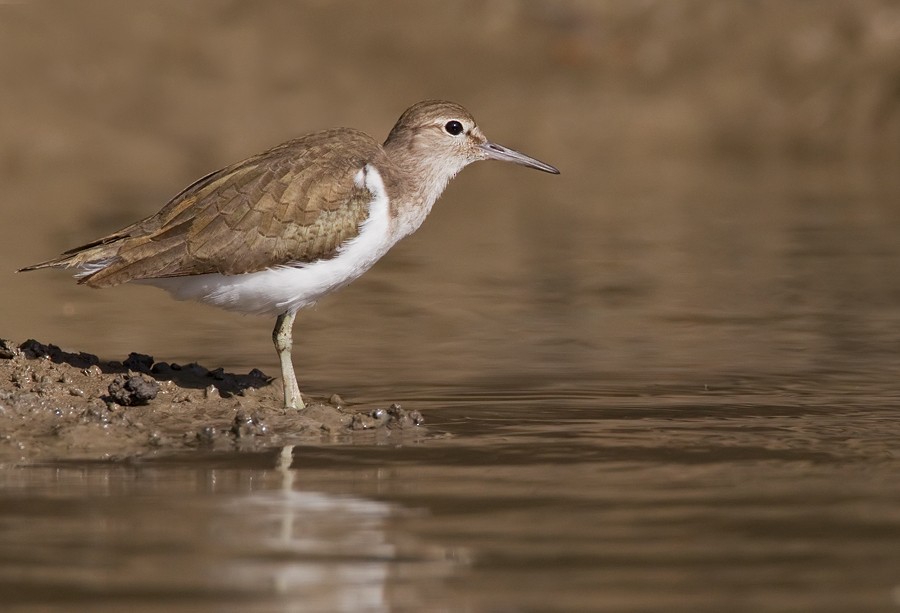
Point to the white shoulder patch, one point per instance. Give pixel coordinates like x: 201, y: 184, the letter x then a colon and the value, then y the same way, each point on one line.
x: 292, y: 286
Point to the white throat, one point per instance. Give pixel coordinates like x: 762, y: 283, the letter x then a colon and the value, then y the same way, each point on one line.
x: 424, y: 184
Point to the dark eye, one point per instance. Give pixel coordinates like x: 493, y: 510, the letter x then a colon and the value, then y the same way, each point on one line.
x: 453, y: 128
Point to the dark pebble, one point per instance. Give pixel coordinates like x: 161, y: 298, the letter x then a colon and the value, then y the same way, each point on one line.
x: 161, y: 368
x: 196, y: 369
x: 138, y: 362
x: 8, y: 349
x: 133, y: 389
x: 33, y: 349
x: 217, y: 374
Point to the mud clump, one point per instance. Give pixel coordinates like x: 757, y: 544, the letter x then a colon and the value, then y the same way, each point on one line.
x: 138, y: 362
x: 132, y: 389
x: 392, y: 417
x: 8, y: 350
x: 56, y: 404
x: 245, y: 426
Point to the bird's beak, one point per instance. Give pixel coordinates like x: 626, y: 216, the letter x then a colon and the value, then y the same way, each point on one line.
x: 494, y: 151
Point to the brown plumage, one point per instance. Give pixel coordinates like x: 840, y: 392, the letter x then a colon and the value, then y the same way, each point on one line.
x: 296, y: 202
x: 283, y: 228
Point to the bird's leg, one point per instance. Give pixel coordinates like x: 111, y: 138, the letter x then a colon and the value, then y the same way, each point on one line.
x: 283, y: 338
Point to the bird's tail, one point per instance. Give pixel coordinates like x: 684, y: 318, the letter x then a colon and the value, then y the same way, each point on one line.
x: 87, y: 259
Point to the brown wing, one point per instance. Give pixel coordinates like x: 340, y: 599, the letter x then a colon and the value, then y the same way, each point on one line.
x: 295, y: 203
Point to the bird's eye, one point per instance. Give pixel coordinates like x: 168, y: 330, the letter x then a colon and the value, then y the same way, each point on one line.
x: 454, y: 128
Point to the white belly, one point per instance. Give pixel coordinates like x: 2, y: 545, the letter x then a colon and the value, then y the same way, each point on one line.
x: 293, y: 286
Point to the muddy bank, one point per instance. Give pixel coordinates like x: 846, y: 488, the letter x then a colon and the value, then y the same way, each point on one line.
x: 58, y: 404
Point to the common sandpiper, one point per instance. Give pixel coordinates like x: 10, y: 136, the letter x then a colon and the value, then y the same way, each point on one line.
x: 277, y: 231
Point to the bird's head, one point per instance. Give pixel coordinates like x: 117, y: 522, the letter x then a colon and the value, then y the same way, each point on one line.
x: 444, y: 136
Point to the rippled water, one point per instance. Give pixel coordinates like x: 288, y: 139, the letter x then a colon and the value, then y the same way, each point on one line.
x: 656, y: 382
x: 652, y: 388
x: 686, y: 500
x: 681, y: 399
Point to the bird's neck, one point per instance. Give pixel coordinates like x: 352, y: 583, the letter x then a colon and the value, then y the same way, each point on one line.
x: 420, y: 180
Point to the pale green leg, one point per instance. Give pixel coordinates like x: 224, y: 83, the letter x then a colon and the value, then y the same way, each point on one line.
x: 282, y: 335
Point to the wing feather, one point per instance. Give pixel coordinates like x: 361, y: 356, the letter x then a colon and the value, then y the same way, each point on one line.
x: 295, y: 203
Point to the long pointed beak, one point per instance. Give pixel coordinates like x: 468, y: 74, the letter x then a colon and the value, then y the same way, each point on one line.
x: 499, y: 152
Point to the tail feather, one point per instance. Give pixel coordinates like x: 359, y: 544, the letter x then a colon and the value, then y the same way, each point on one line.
x: 85, y: 257
x: 112, y: 262
x: 137, y: 262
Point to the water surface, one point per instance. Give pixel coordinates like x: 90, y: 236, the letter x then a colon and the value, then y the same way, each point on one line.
x: 683, y: 402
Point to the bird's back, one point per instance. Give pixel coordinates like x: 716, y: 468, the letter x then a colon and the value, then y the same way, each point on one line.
x: 295, y: 203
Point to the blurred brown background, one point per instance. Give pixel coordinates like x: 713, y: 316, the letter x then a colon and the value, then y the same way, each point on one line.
x: 665, y: 380
x: 692, y: 137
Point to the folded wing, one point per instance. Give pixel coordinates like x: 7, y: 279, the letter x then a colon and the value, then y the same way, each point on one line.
x: 295, y: 203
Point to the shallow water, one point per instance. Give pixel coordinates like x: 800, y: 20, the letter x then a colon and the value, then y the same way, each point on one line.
x: 689, y: 404
x: 688, y: 500
x: 665, y: 380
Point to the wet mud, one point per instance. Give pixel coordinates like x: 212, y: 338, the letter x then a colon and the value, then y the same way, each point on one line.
x: 58, y: 404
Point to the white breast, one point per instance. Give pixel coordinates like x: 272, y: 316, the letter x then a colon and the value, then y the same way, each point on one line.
x: 293, y: 286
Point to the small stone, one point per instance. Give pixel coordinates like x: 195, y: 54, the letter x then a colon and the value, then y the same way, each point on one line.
x: 161, y: 368
x: 87, y: 359
x: 74, y: 391
x: 133, y: 389
x: 92, y: 371
x: 336, y: 401
x: 33, y: 349
x: 399, y: 418
x: 361, y: 421
x: 244, y: 426
x: 138, y: 362
x: 196, y: 369
x: 211, y: 391
x: 217, y: 374
x: 8, y: 350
